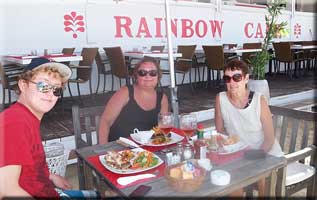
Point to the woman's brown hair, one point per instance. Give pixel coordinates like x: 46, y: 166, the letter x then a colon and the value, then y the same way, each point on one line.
x: 237, y: 64
x: 144, y: 60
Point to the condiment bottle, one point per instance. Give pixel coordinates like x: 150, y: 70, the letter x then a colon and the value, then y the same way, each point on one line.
x: 188, y: 152
x: 200, y: 145
x: 214, y: 143
x: 179, y: 150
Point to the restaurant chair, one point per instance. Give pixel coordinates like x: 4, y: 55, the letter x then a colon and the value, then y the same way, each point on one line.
x: 310, y: 55
x: 119, y: 66
x: 246, y: 56
x: 85, y: 124
x: 67, y: 51
x: 157, y: 48
x: 229, y: 56
x: 284, y: 54
x: 83, y: 70
x: 313, y: 59
x: 9, y: 75
x: 300, y: 149
x: 102, y: 66
x: 295, y: 131
x: 184, y: 64
x: 199, y: 62
x: 214, y: 61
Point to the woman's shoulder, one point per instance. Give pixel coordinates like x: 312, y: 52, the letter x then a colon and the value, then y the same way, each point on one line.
x: 121, y: 93
x: 221, y: 94
x: 257, y: 95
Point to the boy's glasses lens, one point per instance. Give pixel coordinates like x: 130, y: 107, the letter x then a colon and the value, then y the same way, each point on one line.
x: 142, y: 72
x: 235, y: 77
x: 45, y: 88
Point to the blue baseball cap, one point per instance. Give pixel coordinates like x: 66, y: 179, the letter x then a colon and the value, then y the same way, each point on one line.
x: 37, y: 63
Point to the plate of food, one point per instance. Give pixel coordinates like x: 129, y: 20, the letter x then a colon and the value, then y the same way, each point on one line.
x: 157, y: 138
x: 230, y: 144
x: 130, y: 161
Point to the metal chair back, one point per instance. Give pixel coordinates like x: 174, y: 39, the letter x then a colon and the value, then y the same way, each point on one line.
x: 184, y: 63
x: 88, y: 55
x: 68, y: 51
x: 157, y: 48
x: 283, y: 52
x: 214, y: 57
x: 9, y: 80
x: 86, y: 123
x: 246, y: 56
x: 117, y: 62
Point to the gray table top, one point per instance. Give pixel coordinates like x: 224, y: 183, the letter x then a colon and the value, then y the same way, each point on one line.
x: 243, y: 173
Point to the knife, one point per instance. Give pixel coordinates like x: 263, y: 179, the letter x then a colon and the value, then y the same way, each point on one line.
x: 130, y: 179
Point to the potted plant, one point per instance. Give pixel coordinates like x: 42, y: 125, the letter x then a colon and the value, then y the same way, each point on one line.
x: 261, y: 58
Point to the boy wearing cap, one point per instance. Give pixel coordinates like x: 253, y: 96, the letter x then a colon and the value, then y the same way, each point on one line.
x: 23, y: 169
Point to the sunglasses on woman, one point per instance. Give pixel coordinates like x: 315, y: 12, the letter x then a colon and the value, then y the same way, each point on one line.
x: 45, y: 88
x: 143, y: 72
x: 235, y: 78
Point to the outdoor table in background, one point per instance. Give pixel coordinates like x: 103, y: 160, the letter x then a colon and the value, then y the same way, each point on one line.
x: 137, y: 54
x: 25, y: 60
x: 243, y: 173
x: 303, y: 47
x: 237, y: 51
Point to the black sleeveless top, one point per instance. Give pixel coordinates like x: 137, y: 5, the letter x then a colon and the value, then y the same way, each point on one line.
x: 133, y: 116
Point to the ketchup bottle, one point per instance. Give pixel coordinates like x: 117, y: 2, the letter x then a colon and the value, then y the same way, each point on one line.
x: 200, y: 144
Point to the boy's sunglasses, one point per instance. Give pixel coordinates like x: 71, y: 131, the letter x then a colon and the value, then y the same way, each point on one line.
x: 235, y: 77
x: 143, y: 72
x: 45, y: 88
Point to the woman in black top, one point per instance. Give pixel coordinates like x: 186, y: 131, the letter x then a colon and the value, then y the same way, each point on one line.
x: 134, y: 106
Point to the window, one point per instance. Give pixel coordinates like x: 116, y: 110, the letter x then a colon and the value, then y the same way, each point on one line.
x: 306, y: 6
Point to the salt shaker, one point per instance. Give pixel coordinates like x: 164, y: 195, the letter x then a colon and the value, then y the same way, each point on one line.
x: 188, y: 152
x: 179, y: 148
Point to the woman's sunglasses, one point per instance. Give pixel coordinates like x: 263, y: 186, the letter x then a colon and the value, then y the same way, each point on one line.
x: 143, y: 72
x: 235, y: 77
x: 45, y: 88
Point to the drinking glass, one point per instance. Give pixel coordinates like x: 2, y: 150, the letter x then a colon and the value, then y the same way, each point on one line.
x: 188, y: 124
x: 166, y: 122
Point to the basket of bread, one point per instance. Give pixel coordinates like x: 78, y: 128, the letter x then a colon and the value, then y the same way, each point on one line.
x: 186, y: 176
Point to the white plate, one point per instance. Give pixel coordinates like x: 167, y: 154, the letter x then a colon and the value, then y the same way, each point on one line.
x: 232, y: 148
x: 174, y: 139
x: 128, y: 171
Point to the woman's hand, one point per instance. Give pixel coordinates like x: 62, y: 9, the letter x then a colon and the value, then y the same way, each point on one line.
x: 60, y: 182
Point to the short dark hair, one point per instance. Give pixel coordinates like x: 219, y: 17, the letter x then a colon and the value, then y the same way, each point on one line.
x: 144, y: 60
x: 237, y: 64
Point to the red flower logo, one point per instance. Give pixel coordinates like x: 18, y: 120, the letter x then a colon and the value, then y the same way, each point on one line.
x: 74, y: 23
x: 297, y: 30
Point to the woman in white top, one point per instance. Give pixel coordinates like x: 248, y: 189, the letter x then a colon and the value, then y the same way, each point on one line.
x: 247, y: 114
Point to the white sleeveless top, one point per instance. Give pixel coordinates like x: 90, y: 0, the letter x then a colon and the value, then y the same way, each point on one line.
x: 246, y: 122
